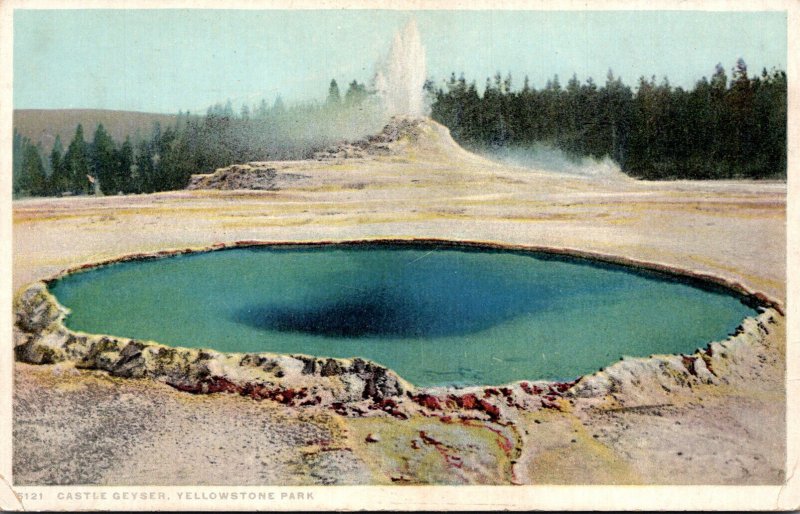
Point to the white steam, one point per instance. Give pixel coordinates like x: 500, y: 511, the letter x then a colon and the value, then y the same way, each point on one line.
x: 401, y: 77
x: 542, y: 157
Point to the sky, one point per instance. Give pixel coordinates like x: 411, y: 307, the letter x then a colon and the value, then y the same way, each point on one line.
x: 171, y: 60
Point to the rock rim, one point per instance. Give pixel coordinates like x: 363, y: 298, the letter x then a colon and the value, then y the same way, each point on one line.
x: 359, y: 387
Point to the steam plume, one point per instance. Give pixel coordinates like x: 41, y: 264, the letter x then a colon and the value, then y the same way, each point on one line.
x: 400, y: 80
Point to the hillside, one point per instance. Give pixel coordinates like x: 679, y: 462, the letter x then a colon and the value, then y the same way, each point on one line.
x: 43, y: 125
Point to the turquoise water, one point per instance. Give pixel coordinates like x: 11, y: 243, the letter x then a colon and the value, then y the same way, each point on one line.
x: 435, y: 315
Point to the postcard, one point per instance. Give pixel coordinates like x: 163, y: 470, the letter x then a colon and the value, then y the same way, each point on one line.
x: 414, y: 255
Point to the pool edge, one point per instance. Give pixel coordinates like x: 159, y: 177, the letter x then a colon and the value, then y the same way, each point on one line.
x: 758, y: 297
x: 359, y: 386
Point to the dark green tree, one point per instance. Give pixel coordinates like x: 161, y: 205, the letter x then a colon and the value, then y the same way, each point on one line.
x: 34, y: 178
x: 142, y: 176
x: 59, y: 176
x: 104, y: 162
x: 741, y: 105
x: 715, y: 130
x: 17, y: 151
x: 76, y: 161
x: 123, y: 166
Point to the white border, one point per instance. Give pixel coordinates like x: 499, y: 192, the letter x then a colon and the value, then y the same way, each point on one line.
x: 786, y: 497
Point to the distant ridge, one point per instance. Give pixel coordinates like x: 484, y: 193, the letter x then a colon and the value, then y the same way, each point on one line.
x: 43, y: 125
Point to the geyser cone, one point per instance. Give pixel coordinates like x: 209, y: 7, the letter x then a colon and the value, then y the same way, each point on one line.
x: 401, y: 79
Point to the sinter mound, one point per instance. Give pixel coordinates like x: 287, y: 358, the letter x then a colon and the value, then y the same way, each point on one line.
x: 402, y: 137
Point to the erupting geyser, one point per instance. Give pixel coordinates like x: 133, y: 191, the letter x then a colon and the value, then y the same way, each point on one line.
x: 401, y: 78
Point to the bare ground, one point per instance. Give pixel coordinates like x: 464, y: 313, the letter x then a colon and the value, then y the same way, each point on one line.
x: 85, y: 427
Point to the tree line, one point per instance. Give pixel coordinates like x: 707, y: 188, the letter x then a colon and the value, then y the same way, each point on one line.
x: 167, y: 157
x: 719, y: 129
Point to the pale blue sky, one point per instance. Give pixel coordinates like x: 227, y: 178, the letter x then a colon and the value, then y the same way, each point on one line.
x: 170, y: 60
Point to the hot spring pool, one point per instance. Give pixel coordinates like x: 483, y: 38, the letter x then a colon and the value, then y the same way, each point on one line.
x: 435, y: 315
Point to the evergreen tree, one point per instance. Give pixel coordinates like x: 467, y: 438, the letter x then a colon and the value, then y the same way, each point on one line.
x: 34, y: 179
x: 77, y: 163
x: 123, y: 165
x: 617, y: 113
x: 715, y: 130
x: 103, y: 161
x: 17, y: 152
x: 142, y: 178
x: 59, y: 177
x: 262, y: 110
x: 334, y: 98
x: 278, y: 107
x: 176, y: 161
x: 356, y: 94
x: 741, y: 105
x: 227, y: 111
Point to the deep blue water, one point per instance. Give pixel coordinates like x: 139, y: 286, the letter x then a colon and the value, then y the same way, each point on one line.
x: 434, y: 315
